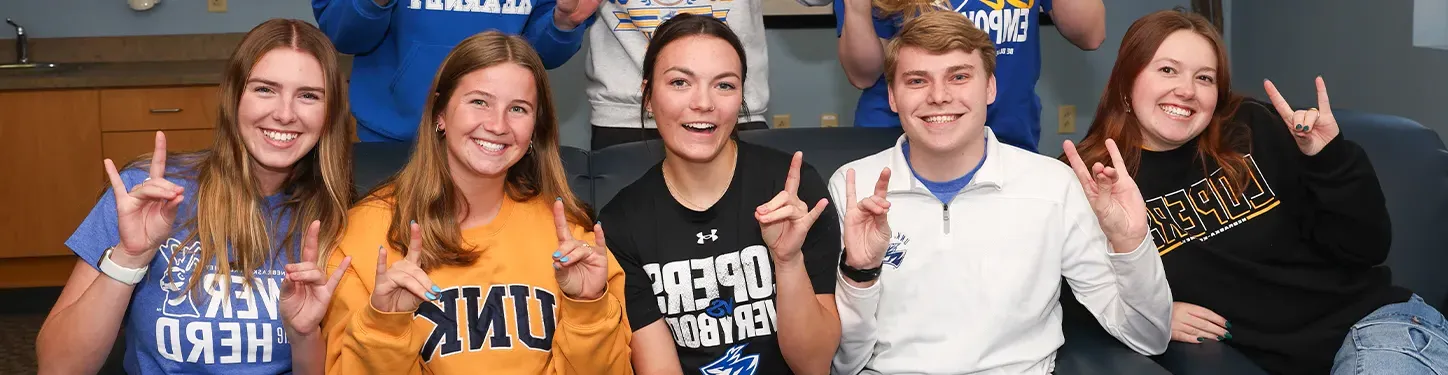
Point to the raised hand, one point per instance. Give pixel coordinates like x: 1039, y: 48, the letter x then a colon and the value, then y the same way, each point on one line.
x: 581, y: 269
x: 574, y: 12
x: 785, y: 220
x: 1193, y: 324
x: 403, y: 286
x: 1113, y: 196
x: 305, y: 293
x: 145, y: 214
x: 1312, y: 128
x: 867, y: 230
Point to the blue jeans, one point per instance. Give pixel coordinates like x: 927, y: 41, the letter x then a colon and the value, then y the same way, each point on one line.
x: 1404, y: 338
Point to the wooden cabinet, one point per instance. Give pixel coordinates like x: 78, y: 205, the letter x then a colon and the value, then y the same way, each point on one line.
x: 52, y: 143
x: 50, y: 152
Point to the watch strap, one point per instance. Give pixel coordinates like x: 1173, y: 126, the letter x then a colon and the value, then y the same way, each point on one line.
x: 128, y: 276
x: 859, y: 275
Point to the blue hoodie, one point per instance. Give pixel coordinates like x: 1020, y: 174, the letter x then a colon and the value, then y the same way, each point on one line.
x: 398, y: 49
x: 1015, y: 116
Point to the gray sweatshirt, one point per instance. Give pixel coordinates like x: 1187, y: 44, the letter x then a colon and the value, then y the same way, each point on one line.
x: 617, y: 42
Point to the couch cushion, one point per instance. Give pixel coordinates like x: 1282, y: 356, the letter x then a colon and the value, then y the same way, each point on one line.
x: 827, y: 149
x: 576, y: 164
x: 376, y: 161
x: 617, y: 166
x: 1412, y: 167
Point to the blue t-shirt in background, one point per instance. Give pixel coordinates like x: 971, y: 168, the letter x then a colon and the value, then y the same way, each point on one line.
x: 1015, y: 116
x: 167, y: 330
x: 944, y: 191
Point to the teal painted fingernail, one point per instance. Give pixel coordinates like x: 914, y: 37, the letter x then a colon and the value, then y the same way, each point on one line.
x: 1200, y: 339
x: 414, y: 222
x: 430, y: 296
x: 555, y: 266
x: 557, y: 254
x: 435, y: 289
x: 1220, y: 338
x: 1229, y: 324
x: 564, y: 259
x: 1229, y: 335
x: 560, y: 199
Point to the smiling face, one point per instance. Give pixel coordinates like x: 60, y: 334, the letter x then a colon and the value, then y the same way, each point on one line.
x: 697, y: 93
x: 488, y: 121
x: 283, y: 108
x: 941, y: 98
x: 1174, y: 96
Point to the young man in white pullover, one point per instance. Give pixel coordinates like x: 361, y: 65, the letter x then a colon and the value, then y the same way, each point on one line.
x: 953, y: 258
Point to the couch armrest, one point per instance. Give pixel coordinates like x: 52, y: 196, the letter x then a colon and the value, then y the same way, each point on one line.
x: 1089, y: 350
x: 1210, y: 357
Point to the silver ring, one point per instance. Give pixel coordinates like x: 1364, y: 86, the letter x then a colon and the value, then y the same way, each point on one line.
x: 147, y: 179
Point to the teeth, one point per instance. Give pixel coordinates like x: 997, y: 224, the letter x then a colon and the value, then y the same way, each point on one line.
x: 1176, y: 111
x: 490, y: 146
x: 280, y: 136
x: 699, y: 126
x: 937, y: 119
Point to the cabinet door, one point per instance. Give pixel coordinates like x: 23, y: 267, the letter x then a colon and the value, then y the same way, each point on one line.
x: 123, y: 147
x: 50, y: 152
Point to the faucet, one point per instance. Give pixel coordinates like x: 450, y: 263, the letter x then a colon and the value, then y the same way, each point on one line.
x: 21, y: 48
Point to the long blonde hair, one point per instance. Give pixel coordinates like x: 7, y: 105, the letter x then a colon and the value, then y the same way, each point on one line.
x: 231, y: 218
x: 424, y: 189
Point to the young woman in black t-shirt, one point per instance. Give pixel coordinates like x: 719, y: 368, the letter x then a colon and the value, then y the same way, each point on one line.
x: 729, y: 270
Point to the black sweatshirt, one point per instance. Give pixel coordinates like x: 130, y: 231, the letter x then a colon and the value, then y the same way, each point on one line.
x: 1292, y: 261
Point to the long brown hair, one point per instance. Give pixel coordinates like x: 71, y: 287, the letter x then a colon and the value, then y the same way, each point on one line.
x: 424, y: 189
x: 1221, y: 141
x: 231, y: 217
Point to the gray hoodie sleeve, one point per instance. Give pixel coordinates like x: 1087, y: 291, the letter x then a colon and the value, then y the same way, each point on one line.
x: 856, y: 306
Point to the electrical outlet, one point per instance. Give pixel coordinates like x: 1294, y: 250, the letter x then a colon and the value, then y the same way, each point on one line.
x: 781, y: 121
x: 829, y: 120
x: 216, y: 6
x: 1066, y: 119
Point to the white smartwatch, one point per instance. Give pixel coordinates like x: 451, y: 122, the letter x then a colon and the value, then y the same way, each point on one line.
x: 128, y: 276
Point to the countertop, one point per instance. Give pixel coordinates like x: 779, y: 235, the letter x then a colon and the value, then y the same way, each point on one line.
x: 115, y: 74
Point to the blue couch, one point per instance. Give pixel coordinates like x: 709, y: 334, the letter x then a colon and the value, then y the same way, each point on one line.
x: 1410, y: 159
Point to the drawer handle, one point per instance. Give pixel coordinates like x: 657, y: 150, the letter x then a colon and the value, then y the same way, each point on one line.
x: 165, y: 110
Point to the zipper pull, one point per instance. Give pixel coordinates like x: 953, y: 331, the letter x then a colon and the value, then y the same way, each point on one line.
x: 946, y: 215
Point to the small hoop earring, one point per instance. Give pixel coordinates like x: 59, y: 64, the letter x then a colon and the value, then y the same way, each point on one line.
x: 530, y: 147
x: 1126, y: 103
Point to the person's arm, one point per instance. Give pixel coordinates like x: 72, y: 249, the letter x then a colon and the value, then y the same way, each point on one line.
x: 1083, y: 22
x: 77, y: 335
x: 309, y: 354
x: 1348, y: 214
x: 553, y: 35
x: 1126, y: 292
x: 652, y: 347
x: 814, y: 3
x: 856, y: 304
x: 861, y: 42
x: 361, y: 339
x: 593, y: 336
x: 809, y: 323
x: 355, y: 26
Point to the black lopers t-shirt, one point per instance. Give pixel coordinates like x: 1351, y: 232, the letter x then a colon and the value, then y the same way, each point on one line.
x: 708, y: 274
x: 1291, y: 260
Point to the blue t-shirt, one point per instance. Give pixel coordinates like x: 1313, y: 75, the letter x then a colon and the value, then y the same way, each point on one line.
x: 1015, y: 116
x: 944, y: 191
x: 167, y: 330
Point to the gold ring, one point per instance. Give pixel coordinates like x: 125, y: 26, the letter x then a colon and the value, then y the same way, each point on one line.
x: 1312, y: 109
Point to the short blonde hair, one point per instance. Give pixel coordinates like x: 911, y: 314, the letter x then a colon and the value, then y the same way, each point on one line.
x: 939, y: 31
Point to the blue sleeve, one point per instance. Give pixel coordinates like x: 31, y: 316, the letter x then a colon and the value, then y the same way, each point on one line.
x: 99, y: 230
x: 553, y: 45
x: 884, y: 28
x: 1045, y: 6
x: 355, y: 26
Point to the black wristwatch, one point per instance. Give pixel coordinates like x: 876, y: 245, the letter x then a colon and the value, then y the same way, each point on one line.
x: 859, y: 275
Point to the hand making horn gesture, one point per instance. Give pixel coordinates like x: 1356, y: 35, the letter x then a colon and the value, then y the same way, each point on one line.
x: 785, y: 220
x: 581, y: 269
x: 867, y: 228
x: 144, y: 214
x: 1113, y: 195
x: 1311, y: 128
x: 402, y: 287
x: 305, y: 291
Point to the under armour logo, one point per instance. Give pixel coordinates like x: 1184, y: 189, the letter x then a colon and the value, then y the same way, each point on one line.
x: 712, y: 236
